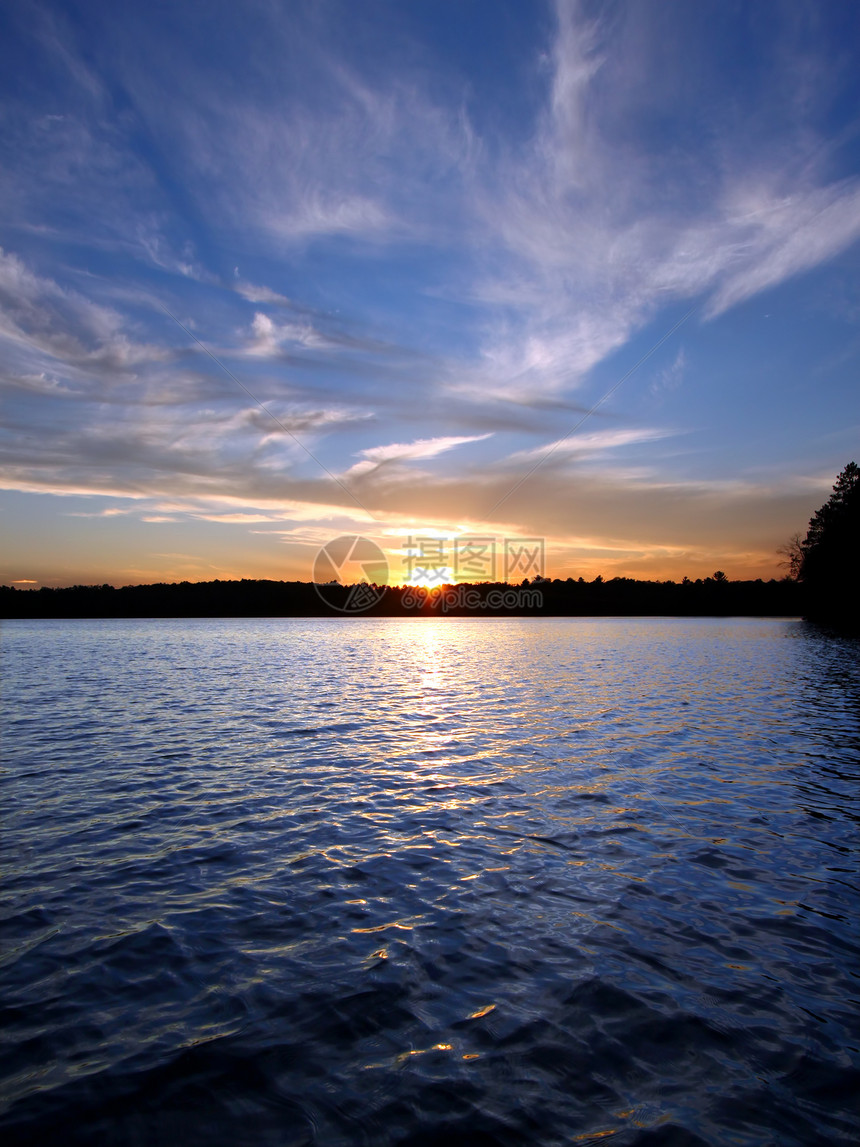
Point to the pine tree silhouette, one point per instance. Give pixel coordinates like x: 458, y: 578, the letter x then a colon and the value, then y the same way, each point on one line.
x: 830, y: 562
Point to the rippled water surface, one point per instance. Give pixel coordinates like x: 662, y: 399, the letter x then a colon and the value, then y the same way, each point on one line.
x: 429, y: 881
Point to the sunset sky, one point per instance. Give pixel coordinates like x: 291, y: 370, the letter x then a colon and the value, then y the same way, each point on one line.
x: 276, y: 272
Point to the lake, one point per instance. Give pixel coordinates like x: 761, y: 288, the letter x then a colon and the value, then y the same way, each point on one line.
x: 458, y: 881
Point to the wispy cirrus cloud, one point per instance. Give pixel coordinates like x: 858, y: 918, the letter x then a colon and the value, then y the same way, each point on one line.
x: 788, y: 233
x: 255, y: 294
x: 268, y: 337
x: 373, y: 458
x: 601, y: 229
x: 591, y: 228
x: 591, y: 444
x: 46, y: 323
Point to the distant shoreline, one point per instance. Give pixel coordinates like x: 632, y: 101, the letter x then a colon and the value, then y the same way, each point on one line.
x: 623, y: 597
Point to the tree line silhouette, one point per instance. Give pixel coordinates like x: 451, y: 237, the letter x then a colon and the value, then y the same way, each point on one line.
x: 249, y: 598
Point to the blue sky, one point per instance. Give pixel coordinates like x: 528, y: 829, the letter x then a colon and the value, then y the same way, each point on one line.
x: 275, y: 272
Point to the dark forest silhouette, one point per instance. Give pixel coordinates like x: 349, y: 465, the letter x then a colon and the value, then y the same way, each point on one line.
x: 716, y: 596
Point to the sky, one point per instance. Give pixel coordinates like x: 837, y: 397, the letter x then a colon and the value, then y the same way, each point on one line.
x: 271, y: 273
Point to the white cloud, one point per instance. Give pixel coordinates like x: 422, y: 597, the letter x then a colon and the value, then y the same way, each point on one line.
x: 593, y: 444
x: 789, y: 235
x: 256, y: 294
x: 269, y: 337
x: 322, y: 214
x: 670, y: 377
x: 374, y: 457
x: 49, y: 323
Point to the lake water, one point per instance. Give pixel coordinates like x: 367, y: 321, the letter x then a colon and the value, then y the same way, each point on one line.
x: 491, y: 881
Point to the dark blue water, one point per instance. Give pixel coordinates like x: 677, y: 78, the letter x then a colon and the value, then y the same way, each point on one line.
x: 429, y: 881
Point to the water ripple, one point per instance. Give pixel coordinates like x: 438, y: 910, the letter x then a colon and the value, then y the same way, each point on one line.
x: 417, y: 881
